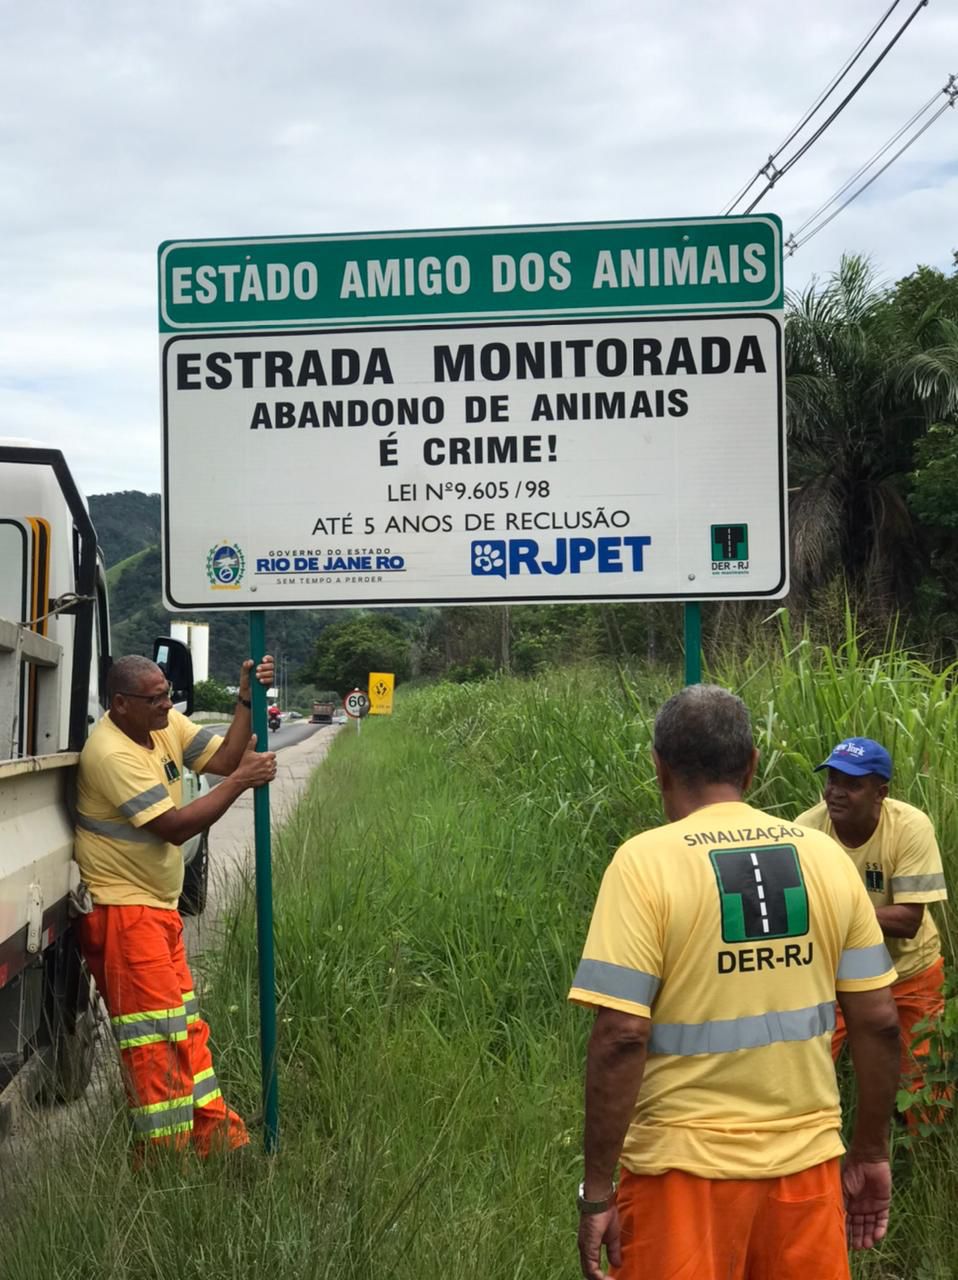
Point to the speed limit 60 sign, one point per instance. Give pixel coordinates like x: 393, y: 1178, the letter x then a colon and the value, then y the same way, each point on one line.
x: 356, y: 704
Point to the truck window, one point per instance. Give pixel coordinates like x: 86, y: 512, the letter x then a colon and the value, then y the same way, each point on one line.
x: 13, y: 570
x: 13, y: 606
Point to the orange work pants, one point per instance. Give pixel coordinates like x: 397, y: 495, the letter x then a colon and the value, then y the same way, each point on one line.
x: 676, y: 1226
x: 138, y: 962
x: 918, y: 997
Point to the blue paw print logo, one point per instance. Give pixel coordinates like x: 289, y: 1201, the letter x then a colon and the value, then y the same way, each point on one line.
x: 489, y: 559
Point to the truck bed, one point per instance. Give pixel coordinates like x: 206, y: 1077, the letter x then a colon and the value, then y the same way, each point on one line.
x: 36, y: 855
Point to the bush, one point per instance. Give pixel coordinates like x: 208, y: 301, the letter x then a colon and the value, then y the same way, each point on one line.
x: 210, y: 695
x: 474, y: 669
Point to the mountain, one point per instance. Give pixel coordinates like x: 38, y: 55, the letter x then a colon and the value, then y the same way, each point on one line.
x: 125, y: 522
x: 128, y: 530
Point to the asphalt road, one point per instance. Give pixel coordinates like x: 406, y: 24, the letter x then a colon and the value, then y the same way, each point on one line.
x: 300, y: 747
x: 290, y: 732
x: 287, y: 735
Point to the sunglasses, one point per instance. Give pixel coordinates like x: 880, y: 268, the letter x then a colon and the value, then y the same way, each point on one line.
x: 154, y: 699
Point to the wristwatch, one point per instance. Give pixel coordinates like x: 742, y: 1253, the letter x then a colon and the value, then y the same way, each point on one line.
x: 245, y: 701
x: 594, y: 1206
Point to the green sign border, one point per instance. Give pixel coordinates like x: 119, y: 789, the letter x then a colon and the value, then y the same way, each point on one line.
x: 667, y: 300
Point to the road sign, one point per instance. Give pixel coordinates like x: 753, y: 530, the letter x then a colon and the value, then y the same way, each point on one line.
x: 625, y: 268
x: 356, y: 704
x: 381, y: 685
x: 475, y: 416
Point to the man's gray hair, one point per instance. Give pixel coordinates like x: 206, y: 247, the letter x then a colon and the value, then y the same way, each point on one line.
x: 704, y: 734
x: 127, y: 675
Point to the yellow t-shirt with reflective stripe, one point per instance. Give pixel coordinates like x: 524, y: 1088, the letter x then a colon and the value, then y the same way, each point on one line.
x: 732, y: 931
x: 900, y: 862
x: 120, y: 787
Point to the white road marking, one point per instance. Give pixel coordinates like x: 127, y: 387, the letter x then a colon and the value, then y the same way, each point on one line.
x: 757, y: 872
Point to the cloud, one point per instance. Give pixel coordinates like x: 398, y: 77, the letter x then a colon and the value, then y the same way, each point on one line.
x: 126, y: 124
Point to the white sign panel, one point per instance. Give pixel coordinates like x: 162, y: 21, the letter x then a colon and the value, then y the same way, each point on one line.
x: 607, y: 459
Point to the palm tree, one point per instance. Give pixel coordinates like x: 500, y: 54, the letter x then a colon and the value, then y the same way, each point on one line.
x: 862, y: 386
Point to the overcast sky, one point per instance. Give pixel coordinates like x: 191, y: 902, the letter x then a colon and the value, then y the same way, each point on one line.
x: 124, y: 123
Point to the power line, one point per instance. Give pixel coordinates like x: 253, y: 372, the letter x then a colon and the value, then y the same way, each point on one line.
x: 951, y: 93
x: 833, y: 84
x: 868, y: 164
x: 816, y: 105
x: 793, y: 160
x: 775, y: 173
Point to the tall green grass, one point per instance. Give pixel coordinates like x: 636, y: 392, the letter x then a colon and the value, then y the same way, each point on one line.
x: 432, y: 896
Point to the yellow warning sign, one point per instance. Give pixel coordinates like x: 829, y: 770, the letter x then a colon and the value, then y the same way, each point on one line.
x: 381, y: 693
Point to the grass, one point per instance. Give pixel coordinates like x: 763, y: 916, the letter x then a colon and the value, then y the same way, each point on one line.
x: 116, y: 571
x: 432, y: 895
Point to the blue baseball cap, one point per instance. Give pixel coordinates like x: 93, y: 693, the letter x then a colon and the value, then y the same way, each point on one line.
x: 859, y: 756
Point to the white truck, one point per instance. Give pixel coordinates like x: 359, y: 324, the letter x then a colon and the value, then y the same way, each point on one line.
x: 54, y: 658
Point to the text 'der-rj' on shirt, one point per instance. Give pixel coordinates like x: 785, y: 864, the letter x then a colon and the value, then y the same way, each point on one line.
x: 120, y: 787
x: 732, y: 931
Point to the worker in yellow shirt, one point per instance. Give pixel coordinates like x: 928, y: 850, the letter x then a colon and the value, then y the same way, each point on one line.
x: 130, y: 823
x: 717, y: 947
x: 892, y: 845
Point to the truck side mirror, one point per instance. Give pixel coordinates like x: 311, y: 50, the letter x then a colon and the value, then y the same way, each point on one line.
x: 176, y: 662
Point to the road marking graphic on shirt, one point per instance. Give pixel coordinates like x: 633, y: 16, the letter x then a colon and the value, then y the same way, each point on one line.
x: 762, y: 892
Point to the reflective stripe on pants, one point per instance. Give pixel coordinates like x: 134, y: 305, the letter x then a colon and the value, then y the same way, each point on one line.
x: 138, y: 962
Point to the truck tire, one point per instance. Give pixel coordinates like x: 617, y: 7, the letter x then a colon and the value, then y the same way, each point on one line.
x: 196, y: 881
x: 70, y: 1031
x: 74, y: 1053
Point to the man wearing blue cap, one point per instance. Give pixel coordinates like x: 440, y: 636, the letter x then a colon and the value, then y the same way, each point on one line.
x: 893, y: 846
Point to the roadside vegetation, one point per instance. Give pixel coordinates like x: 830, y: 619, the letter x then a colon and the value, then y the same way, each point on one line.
x: 432, y: 895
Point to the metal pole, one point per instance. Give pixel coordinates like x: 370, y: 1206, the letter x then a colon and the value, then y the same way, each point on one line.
x: 264, y: 900
x: 693, y: 642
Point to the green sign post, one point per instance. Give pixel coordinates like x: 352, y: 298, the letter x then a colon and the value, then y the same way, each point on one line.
x: 692, y: 618
x: 264, y: 901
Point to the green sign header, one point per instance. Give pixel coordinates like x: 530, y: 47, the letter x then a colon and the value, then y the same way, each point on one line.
x: 686, y: 266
